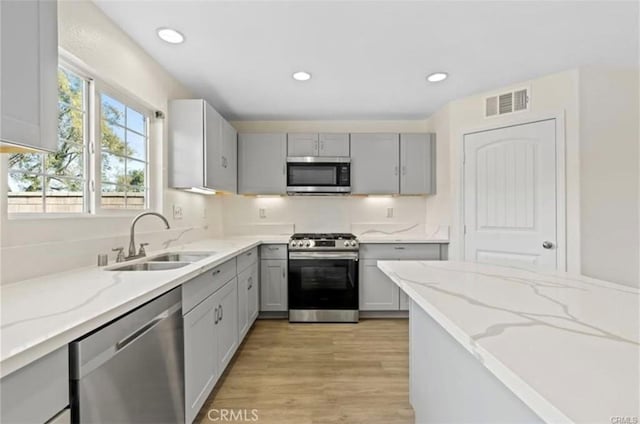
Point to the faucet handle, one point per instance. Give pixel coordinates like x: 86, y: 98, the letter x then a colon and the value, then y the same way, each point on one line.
x: 142, y: 252
x: 120, y: 257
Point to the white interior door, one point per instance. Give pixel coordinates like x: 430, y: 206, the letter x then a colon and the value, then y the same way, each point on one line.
x: 510, y: 196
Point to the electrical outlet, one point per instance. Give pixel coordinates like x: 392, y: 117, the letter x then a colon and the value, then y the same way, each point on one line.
x: 177, y: 212
x: 262, y: 212
x: 389, y: 212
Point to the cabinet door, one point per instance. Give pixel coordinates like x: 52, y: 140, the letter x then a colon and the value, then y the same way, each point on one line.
x: 200, y: 355
x: 227, y: 301
x: 377, y: 291
x: 302, y: 144
x: 29, y: 74
x: 261, y: 163
x: 214, y: 161
x: 253, y: 298
x: 229, y: 158
x: 334, y: 144
x: 186, y: 143
x: 273, y: 285
x: 375, y: 164
x: 404, y: 301
x: 417, y: 164
x: 243, y: 302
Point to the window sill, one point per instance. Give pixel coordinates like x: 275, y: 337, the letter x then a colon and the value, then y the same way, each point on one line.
x: 54, y: 216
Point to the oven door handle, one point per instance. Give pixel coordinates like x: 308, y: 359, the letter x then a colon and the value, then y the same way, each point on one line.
x: 353, y: 256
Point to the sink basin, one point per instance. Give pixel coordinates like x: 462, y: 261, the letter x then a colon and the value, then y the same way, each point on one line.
x: 181, y: 257
x: 150, y: 266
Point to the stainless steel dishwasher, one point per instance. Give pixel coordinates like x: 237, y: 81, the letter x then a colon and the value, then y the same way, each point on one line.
x: 132, y: 369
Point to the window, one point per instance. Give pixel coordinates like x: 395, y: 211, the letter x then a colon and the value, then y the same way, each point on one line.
x: 124, y: 163
x: 56, y: 182
x: 116, y: 169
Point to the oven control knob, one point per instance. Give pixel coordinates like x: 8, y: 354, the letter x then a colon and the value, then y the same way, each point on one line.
x: 346, y: 243
x: 307, y: 244
x: 293, y: 244
x: 353, y: 243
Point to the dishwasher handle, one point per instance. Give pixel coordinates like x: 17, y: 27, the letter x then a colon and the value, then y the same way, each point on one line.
x: 139, y: 332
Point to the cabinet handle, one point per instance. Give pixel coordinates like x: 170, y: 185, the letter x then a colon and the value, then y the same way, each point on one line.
x: 221, y: 312
x: 404, y: 170
x: 282, y: 272
x: 395, y: 170
x: 216, y: 272
x: 399, y: 248
x: 250, y: 253
x: 216, y: 314
x: 273, y: 248
x: 250, y: 283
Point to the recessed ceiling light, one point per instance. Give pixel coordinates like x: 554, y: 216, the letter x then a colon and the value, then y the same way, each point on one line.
x: 437, y: 77
x: 170, y: 35
x: 302, y: 76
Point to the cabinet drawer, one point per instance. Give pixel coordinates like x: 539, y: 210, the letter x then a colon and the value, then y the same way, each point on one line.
x: 273, y: 251
x: 400, y: 251
x: 38, y: 391
x: 247, y: 259
x: 196, y: 290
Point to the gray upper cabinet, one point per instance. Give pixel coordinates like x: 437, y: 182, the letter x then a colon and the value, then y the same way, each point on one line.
x: 417, y: 163
x: 202, y: 147
x: 229, y: 159
x: 261, y: 163
x: 302, y: 144
x: 333, y: 144
x: 375, y: 164
x: 314, y: 144
x: 29, y: 75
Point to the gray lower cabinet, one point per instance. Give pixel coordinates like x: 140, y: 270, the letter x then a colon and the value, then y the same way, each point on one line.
x: 227, y: 299
x: 247, y: 298
x: 210, y: 339
x: 37, y: 392
x: 377, y: 291
x: 273, y: 285
x: 201, y: 367
x: 261, y: 163
x: 375, y: 162
x: 417, y: 163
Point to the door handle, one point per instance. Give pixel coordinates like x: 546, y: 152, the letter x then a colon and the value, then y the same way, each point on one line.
x: 547, y: 244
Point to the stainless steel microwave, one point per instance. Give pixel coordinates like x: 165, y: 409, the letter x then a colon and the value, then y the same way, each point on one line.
x: 317, y: 175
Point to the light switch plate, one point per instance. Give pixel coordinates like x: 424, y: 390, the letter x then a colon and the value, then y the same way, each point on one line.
x: 262, y: 212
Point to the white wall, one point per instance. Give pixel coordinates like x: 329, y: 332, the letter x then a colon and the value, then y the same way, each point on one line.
x: 600, y: 110
x: 609, y: 173
x: 32, y: 247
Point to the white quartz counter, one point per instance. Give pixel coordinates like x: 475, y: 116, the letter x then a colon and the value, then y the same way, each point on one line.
x: 42, y: 314
x: 405, y: 238
x: 568, y: 346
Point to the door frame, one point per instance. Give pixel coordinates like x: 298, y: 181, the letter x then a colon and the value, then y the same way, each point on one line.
x: 561, y: 178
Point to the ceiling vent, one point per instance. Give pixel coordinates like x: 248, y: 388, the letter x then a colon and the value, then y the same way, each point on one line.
x: 512, y: 101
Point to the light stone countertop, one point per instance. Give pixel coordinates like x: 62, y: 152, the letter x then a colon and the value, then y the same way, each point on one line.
x: 43, y: 314
x: 568, y: 346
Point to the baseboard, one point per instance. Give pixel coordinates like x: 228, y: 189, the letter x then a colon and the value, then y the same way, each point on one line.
x: 384, y: 314
x: 273, y: 315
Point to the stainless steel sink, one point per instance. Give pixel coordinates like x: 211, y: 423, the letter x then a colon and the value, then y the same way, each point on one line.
x: 150, y: 266
x: 181, y: 257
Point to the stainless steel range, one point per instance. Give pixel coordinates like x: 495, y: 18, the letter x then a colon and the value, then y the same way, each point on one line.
x: 323, y: 278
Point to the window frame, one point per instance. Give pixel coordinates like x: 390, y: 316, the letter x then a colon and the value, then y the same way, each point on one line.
x: 100, y: 88
x: 92, y: 207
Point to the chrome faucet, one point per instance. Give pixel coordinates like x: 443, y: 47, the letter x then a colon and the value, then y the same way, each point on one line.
x: 132, y: 240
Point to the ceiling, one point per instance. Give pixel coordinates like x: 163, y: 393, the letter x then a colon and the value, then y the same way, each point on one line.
x: 369, y: 59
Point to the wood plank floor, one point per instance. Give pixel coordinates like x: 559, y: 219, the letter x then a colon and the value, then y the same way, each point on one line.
x: 318, y: 373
